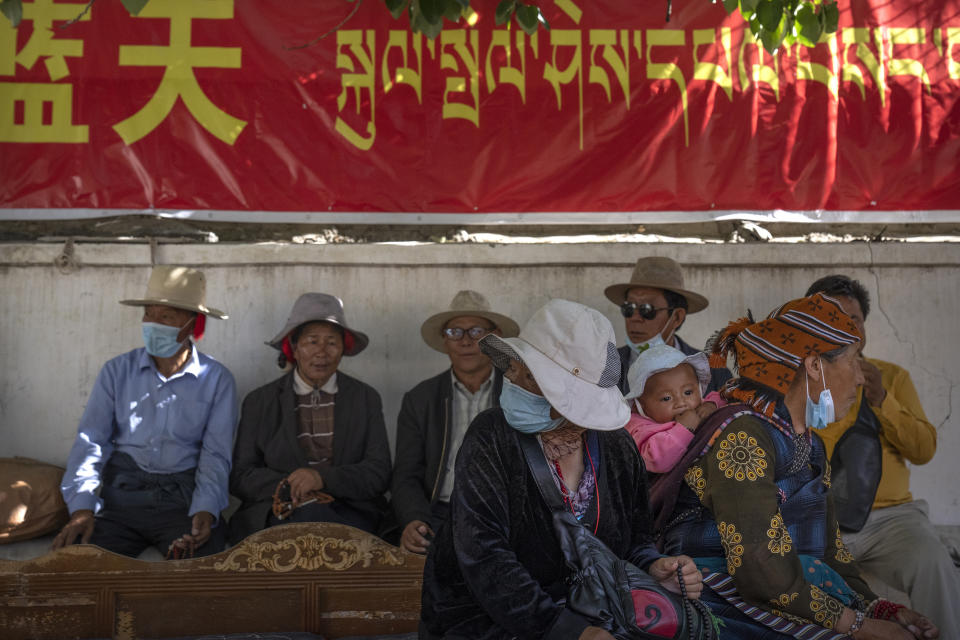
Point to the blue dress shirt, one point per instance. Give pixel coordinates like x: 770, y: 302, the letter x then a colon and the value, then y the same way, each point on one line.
x: 165, y: 424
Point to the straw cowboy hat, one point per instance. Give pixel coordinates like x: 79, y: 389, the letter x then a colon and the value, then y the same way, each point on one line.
x: 177, y: 287
x: 321, y: 307
x: 657, y: 273
x: 571, y: 351
x: 660, y: 358
x: 465, y: 303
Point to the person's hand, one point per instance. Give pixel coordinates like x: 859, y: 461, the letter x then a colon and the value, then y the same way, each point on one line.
x: 199, y: 529
x: 706, y: 409
x: 303, y: 481
x: 917, y: 624
x: 690, y: 419
x: 414, y: 536
x: 80, y: 524
x: 873, y: 389
x: 664, y: 571
x: 595, y: 633
x: 881, y: 630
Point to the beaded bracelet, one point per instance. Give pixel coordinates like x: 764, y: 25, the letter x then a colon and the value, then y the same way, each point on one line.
x: 857, y: 622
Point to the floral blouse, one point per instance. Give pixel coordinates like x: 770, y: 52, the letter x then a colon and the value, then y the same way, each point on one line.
x: 734, y: 480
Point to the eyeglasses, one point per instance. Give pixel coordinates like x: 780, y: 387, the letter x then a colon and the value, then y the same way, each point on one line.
x: 646, y: 310
x: 456, y: 333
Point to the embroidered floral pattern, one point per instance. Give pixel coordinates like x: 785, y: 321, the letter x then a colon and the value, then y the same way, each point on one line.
x: 784, y: 600
x: 780, y: 540
x: 695, y: 480
x: 731, y: 540
x: 740, y: 457
x: 826, y: 610
x: 842, y: 555
x: 826, y: 474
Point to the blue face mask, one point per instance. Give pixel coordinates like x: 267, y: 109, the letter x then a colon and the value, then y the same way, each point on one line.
x: 819, y: 414
x: 643, y: 346
x: 526, y: 412
x: 160, y: 339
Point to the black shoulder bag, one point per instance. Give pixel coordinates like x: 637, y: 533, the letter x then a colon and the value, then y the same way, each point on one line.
x: 855, y: 468
x: 609, y: 591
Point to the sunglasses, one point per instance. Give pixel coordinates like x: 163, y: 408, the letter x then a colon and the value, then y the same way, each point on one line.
x: 646, y: 310
x: 456, y: 333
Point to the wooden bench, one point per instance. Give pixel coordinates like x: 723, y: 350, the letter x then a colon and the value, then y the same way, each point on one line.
x: 328, y: 579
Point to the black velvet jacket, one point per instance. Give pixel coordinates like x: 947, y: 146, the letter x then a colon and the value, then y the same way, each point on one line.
x: 266, y: 450
x: 495, y: 569
x: 423, y: 433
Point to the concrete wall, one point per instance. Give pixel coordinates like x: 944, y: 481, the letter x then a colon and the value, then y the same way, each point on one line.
x: 57, y: 328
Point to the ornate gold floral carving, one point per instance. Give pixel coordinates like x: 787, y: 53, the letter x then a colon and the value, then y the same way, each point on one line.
x: 310, y: 553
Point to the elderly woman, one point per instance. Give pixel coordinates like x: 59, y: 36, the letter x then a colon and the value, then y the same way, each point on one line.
x: 496, y: 569
x: 755, y: 511
x: 316, y: 427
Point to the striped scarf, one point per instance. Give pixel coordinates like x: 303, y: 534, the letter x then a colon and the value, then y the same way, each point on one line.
x: 769, y: 353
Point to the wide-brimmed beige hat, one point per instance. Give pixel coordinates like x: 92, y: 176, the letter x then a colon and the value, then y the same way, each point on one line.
x: 177, y: 287
x: 571, y: 351
x: 657, y: 273
x: 321, y: 307
x: 465, y: 303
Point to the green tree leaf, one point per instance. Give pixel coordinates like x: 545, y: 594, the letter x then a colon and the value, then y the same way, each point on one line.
x: 748, y: 5
x: 808, y: 25
x: 13, y: 10
x: 730, y: 5
x: 505, y: 11
x: 431, y: 10
x: 396, y: 7
x: 452, y: 10
x: 832, y: 17
x: 134, y: 7
x: 527, y: 18
x: 770, y: 12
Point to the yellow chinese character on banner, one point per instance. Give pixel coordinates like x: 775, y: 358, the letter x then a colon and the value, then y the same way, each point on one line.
x: 179, y: 81
x: 31, y: 98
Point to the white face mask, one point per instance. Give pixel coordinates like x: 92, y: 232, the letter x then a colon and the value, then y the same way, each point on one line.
x: 643, y: 346
x: 819, y: 414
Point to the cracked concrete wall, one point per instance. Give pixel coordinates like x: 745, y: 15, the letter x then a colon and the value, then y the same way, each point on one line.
x: 61, y: 322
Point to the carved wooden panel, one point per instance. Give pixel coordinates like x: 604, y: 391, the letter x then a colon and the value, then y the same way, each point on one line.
x: 323, y: 578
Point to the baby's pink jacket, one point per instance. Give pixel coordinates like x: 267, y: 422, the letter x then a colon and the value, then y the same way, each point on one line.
x: 663, y: 444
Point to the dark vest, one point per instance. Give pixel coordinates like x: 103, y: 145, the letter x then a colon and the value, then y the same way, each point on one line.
x: 802, y: 500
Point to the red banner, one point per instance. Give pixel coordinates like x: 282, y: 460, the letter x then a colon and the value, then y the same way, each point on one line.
x: 212, y: 105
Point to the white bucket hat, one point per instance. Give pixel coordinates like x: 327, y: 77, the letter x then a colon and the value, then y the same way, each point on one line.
x: 571, y: 351
x: 660, y: 358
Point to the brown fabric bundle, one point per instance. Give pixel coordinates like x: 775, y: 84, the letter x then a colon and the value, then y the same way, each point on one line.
x: 31, y: 504
x: 769, y: 353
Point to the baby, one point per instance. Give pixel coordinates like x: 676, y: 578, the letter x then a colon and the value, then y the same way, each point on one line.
x: 666, y: 390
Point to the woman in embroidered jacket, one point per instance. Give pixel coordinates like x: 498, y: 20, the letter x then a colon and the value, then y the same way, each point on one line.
x: 496, y: 569
x: 755, y: 511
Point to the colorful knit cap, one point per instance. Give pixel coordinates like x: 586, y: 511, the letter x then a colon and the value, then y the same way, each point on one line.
x: 769, y: 353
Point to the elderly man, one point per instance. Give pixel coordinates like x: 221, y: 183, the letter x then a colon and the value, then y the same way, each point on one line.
x: 654, y: 305
x: 435, y: 414
x: 156, y: 435
x: 886, y: 530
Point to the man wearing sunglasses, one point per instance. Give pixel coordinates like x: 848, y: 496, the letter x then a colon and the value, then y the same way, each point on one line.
x: 654, y: 305
x: 435, y: 414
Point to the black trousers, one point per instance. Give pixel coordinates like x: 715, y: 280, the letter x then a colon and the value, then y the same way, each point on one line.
x: 147, y: 509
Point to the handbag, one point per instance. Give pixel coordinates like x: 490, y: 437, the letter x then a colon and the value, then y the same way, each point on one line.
x: 609, y: 591
x: 856, y: 465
